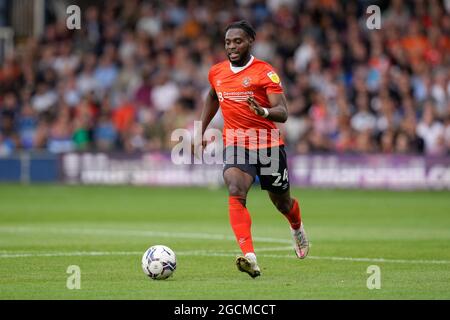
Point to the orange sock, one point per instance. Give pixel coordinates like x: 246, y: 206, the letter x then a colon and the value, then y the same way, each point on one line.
x: 241, y: 224
x: 294, y: 217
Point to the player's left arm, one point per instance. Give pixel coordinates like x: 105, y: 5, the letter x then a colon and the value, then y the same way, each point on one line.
x: 278, y: 111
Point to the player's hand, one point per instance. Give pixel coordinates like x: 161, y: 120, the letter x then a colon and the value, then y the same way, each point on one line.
x: 254, y: 106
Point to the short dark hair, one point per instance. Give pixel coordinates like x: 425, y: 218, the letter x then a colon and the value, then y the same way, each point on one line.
x: 244, y: 25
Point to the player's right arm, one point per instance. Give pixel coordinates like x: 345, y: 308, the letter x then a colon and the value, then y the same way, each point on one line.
x: 209, y: 111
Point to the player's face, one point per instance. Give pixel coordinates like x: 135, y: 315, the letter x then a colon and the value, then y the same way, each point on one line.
x: 237, y: 46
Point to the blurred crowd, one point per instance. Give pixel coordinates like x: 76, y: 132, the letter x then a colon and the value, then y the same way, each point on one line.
x: 137, y: 70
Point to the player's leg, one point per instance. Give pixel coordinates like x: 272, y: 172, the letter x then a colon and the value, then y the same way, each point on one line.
x: 291, y: 210
x: 288, y: 207
x: 274, y: 178
x: 238, y: 183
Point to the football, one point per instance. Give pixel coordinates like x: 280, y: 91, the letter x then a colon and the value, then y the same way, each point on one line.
x: 159, y: 262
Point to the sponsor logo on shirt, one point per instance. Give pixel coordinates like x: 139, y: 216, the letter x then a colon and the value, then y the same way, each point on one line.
x: 239, y: 96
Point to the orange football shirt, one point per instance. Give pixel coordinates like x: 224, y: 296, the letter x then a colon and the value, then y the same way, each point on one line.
x: 242, y: 127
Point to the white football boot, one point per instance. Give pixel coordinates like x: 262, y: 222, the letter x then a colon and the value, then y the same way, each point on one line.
x: 301, y: 243
x: 248, y: 264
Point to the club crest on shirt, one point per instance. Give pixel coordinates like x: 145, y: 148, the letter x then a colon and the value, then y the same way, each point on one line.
x: 274, y: 77
x: 218, y: 83
x: 246, y: 81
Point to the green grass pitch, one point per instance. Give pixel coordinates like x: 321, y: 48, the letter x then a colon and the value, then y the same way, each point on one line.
x: 105, y: 230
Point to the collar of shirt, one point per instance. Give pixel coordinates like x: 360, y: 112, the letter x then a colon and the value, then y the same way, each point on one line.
x: 239, y: 69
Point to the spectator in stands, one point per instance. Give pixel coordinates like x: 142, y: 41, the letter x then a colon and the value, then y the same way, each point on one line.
x: 431, y: 131
x: 136, y: 71
x: 105, y: 134
x: 447, y: 134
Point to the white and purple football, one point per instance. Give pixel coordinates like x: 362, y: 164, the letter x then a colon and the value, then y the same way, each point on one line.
x: 159, y: 262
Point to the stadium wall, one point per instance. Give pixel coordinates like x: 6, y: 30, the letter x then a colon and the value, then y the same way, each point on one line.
x: 26, y: 168
x: 394, y: 172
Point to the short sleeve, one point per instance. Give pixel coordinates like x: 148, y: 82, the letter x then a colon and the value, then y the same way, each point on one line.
x: 210, y: 77
x: 270, y: 81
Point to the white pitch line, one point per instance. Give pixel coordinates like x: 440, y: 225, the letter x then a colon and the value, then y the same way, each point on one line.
x: 138, y: 233
x: 21, y: 254
x: 292, y: 256
x: 208, y: 253
x: 382, y: 260
x: 180, y: 235
x: 67, y: 254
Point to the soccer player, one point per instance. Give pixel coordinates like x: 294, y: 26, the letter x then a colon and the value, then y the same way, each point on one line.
x: 251, y: 98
